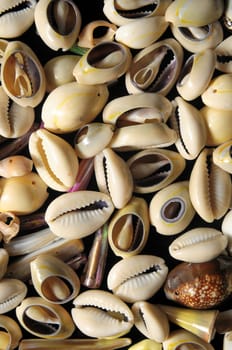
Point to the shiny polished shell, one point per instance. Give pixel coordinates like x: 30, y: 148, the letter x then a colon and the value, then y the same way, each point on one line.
x: 224, y: 53
x: 199, y: 244
x: 87, y: 36
x: 137, y: 277
x: 222, y: 156
x: 182, y: 338
x: 16, y: 165
x: 13, y: 291
x: 101, y: 314
x: 11, y: 333
x: 226, y: 228
x: 82, y: 103
x: 4, y: 260
x: 170, y: 209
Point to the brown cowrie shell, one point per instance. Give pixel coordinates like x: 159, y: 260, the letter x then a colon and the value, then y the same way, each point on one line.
x: 198, y: 245
x: 209, y: 187
x: 95, y: 311
x: 137, y: 277
x: 87, y: 36
x: 13, y: 291
x: 113, y: 177
x: 224, y: 52
x: 78, y: 214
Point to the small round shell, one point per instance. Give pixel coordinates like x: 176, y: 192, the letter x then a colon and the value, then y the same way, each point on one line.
x: 11, y: 333
x: 199, y: 244
x: 13, y: 291
x: 87, y: 36
x: 222, y: 156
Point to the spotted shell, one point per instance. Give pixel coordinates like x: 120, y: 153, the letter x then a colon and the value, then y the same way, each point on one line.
x: 11, y: 333
x: 222, y: 156
x: 137, y: 277
x: 170, y: 209
x: 95, y: 311
x: 61, y: 32
x: 198, y: 245
x: 16, y: 165
x: 224, y: 52
x: 87, y: 36
x: 78, y: 214
x: 13, y: 291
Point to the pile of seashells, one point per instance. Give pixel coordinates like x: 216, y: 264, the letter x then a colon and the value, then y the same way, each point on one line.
x: 115, y: 174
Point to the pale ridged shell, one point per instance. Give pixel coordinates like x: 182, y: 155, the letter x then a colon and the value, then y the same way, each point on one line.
x: 59, y: 172
x: 226, y: 228
x: 13, y: 291
x: 212, y: 198
x: 82, y: 103
x: 153, y: 169
x: 78, y: 214
x: 137, y: 277
x: 222, y: 156
x: 43, y: 319
x: 129, y: 228
x: 224, y: 53
x: 170, y: 209
x: 87, y: 38
x: 11, y: 333
x: 181, y: 338
x: 113, y: 177
x: 62, y: 31
x: 151, y: 321
x: 198, y: 245
x: 100, y: 314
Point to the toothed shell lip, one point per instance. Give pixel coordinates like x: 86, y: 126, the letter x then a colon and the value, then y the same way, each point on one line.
x: 198, y: 245
x: 13, y: 291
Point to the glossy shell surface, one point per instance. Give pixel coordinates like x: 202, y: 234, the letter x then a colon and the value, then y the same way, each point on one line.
x: 222, y: 156
x: 13, y: 291
x: 181, y: 339
x: 87, y: 37
x: 11, y: 333
x: 224, y: 52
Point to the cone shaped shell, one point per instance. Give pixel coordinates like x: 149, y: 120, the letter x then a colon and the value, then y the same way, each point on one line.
x: 181, y: 338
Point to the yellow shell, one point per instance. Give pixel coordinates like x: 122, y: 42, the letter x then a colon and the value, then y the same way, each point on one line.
x: 10, y: 334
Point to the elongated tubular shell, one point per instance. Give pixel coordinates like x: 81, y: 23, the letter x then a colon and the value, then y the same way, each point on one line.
x: 146, y: 344
x: 146, y: 73
x: 153, y: 169
x: 113, y: 177
x: 226, y: 228
x: 101, y: 314
x: 212, y: 198
x: 53, y: 279
x: 11, y: 338
x: 44, y: 319
x: 78, y: 214
x: 54, y: 159
x: 222, y: 156
x: 142, y: 107
x: 151, y: 320
x: 182, y: 338
x: 22, y: 75
x: 189, y: 124
x: 219, y: 92
x: 82, y: 103
x: 196, y: 74
x: 142, y: 136
x: 129, y: 228
x: 22, y: 17
x: 87, y: 38
x: 141, y: 32
x: 227, y: 340
x: 22, y: 194
x: 199, y: 244
x: 13, y: 291
x: 170, y: 209
x: 223, y: 52
x: 103, y: 63
x: 188, y: 13
x: 58, y: 23
x: 137, y: 277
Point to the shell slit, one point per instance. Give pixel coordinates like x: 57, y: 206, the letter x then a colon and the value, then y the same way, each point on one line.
x: 17, y: 8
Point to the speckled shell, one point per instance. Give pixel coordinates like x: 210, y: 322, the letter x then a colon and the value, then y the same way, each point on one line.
x: 87, y: 38
x: 222, y: 156
x: 198, y: 39
x: 21, y: 12
x: 142, y: 136
x: 11, y: 333
x: 128, y: 228
x: 226, y: 228
x: 170, y: 209
x: 44, y: 319
x: 59, y: 172
x: 116, y: 12
x: 82, y: 103
x: 53, y: 279
x: 103, y: 63
x: 137, y: 277
x: 92, y: 138
x: 187, y: 13
x: 180, y: 338
x: 22, y: 75
x: 139, y: 108
x: 198, y: 245
x: 63, y: 33
x: 196, y: 74
x: 13, y: 291
x: 224, y: 52
x: 78, y: 214
x: 219, y: 92
x: 212, y: 198
x: 15, y: 165
x: 95, y: 311
x: 113, y: 177
x: 218, y: 125
x: 22, y: 194
x: 141, y: 32
x: 58, y: 70
x: 144, y: 74
x: 151, y: 321
x: 189, y: 124
x: 153, y: 169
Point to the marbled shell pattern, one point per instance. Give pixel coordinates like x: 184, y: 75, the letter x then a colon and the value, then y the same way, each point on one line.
x: 13, y: 291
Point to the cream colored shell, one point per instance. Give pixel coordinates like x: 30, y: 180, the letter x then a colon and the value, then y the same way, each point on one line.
x: 87, y: 36
x: 182, y: 338
x: 227, y: 340
x: 13, y: 291
x: 11, y: 333
x: 16, y: 165
x: 224, y: 51
x: 222, y: 156
x: 146, y: 344
x: 226, y: 228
